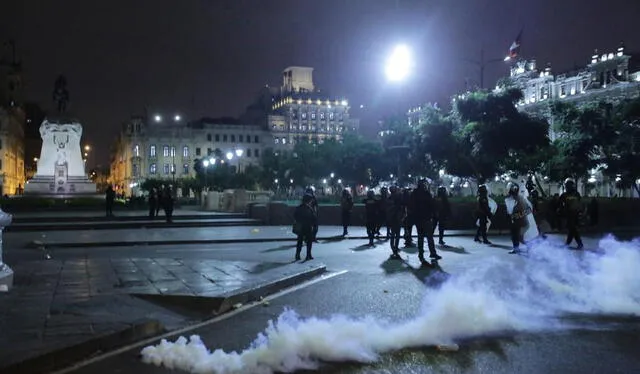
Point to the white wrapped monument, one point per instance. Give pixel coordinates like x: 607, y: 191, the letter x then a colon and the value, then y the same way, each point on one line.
x: 60, y: 166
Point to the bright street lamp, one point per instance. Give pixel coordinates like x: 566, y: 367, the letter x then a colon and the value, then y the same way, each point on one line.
x: 177, y: 118
x: 332, y: 175
x: 229, y: 155
x: 87, y: 148
x: 239, y: 152
x: 339, y: 181
x: 324, y: 181
x: 212, y: 161
x: 399, y: 64
x: 157, y: 118
x: 205, y: 163
x: 275, y: 181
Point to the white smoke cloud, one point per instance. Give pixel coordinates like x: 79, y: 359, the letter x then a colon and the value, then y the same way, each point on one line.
x: 507, y: 294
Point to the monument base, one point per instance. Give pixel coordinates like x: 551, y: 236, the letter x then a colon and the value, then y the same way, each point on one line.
x: 6, y: 278
x: 40, y: 185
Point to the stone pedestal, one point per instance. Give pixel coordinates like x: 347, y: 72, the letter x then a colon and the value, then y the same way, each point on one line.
x: 60, y: 166
x: 6, y: 274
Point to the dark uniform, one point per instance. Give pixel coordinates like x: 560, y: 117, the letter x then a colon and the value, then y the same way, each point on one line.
x: 409, y: 220
x: 306, y: 219
x: 483, y: 213
x: 310, y: 191
x: 570, y: 206
x: 396, y: 212
x: 371, y: 215
x: 346, y: 205
x: 423, y: 204
x: 442, y: 213
x: 382, y: 212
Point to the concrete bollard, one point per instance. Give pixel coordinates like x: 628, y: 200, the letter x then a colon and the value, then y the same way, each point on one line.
x: 6, y: 274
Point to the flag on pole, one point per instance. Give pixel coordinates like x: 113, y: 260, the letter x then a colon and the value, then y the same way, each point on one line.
x: 514, y: 50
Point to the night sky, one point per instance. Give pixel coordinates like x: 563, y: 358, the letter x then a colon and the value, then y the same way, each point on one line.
x: 209, y: 58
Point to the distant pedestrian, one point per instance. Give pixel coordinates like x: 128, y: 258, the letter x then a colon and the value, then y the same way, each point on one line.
x: 153, y: 202
x: 167, y: 202
x: 305, y: 221
x: 346, y: 205
x: 442, y: 213
x: 110, y: 197
x: 396, y: 213
x: 160, y: 201
x: 371, y: 215
x: 571, y: 207
x: 311, y: 191
x: 483, y: 213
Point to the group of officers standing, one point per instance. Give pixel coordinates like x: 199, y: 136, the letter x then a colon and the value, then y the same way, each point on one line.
x: 396, y: 209
x: 405, y: 208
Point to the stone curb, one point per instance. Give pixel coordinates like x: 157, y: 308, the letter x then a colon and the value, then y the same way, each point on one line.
x: 213, y: 306
x: 66, y: 356
x: 129, y: 225
x: 117, y: 218
x: 257, y: 292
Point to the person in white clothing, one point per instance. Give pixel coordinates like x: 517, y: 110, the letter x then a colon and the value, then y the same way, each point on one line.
x: 520, y: 212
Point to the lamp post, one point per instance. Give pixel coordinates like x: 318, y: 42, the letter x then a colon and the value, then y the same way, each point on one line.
x: 482, y: 64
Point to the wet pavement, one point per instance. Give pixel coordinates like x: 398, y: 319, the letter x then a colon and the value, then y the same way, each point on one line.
x: 62, y: 302
x: 398, y: 297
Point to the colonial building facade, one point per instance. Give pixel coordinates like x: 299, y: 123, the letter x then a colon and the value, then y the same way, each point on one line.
x: 608, y: 77
x: 147, y: 148
x: 300, y: 112
x: 12, y: 150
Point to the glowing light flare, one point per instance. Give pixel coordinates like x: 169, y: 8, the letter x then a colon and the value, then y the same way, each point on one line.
x: 229, y: 155
x: 399, y: 64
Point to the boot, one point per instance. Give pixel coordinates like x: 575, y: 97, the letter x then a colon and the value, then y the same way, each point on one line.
x: 298, y: 250
x: 309, y: 257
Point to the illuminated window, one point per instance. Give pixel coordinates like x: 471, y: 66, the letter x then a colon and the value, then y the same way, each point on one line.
x: 185, y: 151
x: 136, y: 151
x: 173, y: 151
x: 331, y: 116
x: 152, y: 151
x: 276, y: 140
x: 321, y: 115
x: 284, y: 140
x: 165, y: 151
x: 166, y: 168
x: 185, y: 169
x: 153, y: 168
x: 313, y: 115
x: 303, y: 115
